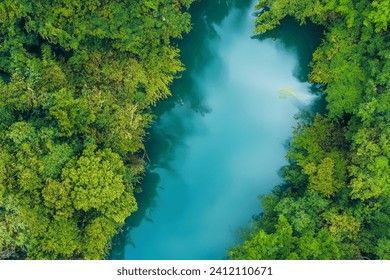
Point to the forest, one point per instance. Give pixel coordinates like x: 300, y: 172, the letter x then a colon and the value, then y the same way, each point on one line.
x: 335, y: 199
x: 78, y: 80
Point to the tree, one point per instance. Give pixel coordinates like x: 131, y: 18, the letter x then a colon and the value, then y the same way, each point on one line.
x: 78, y: 80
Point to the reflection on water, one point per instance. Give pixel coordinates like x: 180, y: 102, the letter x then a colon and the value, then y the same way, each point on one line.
x: 218, y: 142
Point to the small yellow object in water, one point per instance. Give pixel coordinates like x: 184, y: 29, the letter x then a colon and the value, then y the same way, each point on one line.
x: 286, y: 92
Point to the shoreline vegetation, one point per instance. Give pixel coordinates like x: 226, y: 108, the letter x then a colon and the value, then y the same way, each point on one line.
x: 334, y: 202
x: 79, y: 79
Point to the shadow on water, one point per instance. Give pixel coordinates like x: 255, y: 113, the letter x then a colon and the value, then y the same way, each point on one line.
x: 204, y: 16
x: 146, y: 204
x: 309, y: 40
x: 286, y: 34
x: 160, y: 143
x: 165, y: 145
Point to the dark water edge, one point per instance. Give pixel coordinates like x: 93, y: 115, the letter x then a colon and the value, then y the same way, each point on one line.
x: 193, y: 203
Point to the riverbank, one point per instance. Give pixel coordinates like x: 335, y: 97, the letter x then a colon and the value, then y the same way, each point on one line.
x: 220, y: 140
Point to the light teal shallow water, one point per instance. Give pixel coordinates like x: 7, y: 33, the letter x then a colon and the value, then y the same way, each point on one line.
x: 220, y: 140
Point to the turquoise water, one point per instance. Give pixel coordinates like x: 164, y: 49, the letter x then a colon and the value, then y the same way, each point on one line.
x: 219, y: 141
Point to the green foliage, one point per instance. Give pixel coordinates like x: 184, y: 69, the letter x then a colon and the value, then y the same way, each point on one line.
x: 97, y: 234
x: 78, y: 79
x: 335, y: 201
x: 321, y: 177
x: 72, y: 115
x: 379, y: 15
x: 62, y: 240
x: 282, y: 244
x: 276, y: 245
x: 13, y: 230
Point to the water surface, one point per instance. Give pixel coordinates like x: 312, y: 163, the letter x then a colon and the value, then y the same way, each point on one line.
x: 219, y: 142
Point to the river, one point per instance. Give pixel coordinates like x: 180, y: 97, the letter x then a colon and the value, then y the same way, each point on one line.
x: 219, y: 141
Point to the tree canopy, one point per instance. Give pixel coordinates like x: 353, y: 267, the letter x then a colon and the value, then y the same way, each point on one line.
x: 78, y: 79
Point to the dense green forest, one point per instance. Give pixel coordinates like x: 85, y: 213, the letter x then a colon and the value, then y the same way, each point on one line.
x: 335, y: 202
x: 78, y: 79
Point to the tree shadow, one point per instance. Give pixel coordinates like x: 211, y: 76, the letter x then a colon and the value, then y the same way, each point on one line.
x: 286, y: 36
x: 195, y: 53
